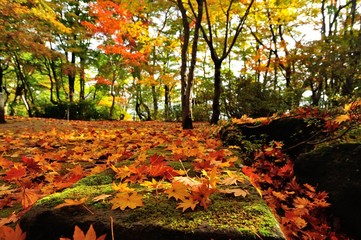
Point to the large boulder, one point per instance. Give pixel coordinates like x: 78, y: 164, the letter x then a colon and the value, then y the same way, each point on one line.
x: 228, y: 217
x: 297, y: 134
x: 337, y: 170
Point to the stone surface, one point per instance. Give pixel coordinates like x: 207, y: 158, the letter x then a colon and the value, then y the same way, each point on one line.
x: 228, y: 217
x: 296, y: 134
x: 337, y: 170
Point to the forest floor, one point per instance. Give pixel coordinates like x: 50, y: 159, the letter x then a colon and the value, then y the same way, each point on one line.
x: 39, y: 157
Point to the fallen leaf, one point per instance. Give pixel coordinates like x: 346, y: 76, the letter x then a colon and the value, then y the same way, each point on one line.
x: 90, y: 235
x: 10, y: 219
x: 72, y: 202
x: 15, y: 172
x: 236, y: 192
x: 29, y: 197
x: 124, y: 200
x: 7, y: 233
x: 178, y: 190
x: 187, y: 203
x: 101, y: 197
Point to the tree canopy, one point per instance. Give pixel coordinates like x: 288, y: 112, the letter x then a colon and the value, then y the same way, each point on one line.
x: 176, y: 60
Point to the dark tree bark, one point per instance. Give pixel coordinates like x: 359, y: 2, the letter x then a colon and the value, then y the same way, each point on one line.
x: 187, y: 80
x: 166, y: 102
x: 2, y: 102
x: 71, y: 78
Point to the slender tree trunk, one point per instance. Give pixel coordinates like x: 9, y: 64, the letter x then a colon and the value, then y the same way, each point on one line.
x: 166, y: 103
x: 155, y: 102
x: 2, y: 102
x: 187, y: 81
x: 217, y: 92
x: 2, y: 107
x: 82, y: 79
x: 71, y: 78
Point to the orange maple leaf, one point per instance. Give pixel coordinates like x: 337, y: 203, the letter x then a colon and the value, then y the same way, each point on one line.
x: 90, y: 235
x: 187, y: 203
x: 12, y: 218
x: 7, y: 233
x: 124, y: 200
x: 202, y: 192
x: 301, y: 202
x: 72, y: 202
x: 29, y: 197
x: 178, y: 190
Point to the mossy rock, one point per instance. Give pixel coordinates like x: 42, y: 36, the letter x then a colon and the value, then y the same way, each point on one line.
x: 228, y: 217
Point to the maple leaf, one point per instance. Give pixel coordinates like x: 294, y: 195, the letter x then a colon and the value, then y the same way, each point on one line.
x: 156, y: 159
x: 30, y: 163
x: 122, y: 187
x: 15, y: 172
x: 187, y: 181
x: 178, y: 190
x: 301, y: 202
x: 124, y: 200
x: 90, y: 235
x: 342, y: 118
x: 121, y: 172
x: 10, y: 219
x: 5, y: 190
x: 72, y: 202
x: 7, y: 233
x: 29, y: 197
x: 212, y: 176
x: 187, y: 203
x: 232, y: 178
x: 101, y: 197
x: 279, y: 195
x: 201, y: 193
x: 235, y: 191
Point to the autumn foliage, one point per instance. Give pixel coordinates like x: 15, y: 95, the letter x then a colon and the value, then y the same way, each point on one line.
x: 40, y: 157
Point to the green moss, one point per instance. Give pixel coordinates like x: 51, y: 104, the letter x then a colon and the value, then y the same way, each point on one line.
x: 97, y: 179
x: 247, y: 216
x: 5, y: 212
x: 90, y: 186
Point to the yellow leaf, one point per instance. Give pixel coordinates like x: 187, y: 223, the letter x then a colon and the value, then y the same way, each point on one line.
x: 72, y: 202
x: 178, y: 190
x: 124, y: 200
x: 122, y: 187
x: 342, y: 118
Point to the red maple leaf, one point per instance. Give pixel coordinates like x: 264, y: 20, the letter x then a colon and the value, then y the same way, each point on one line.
x: 15, y: 172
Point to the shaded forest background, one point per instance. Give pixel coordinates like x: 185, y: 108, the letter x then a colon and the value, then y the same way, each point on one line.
x: 175, y: 60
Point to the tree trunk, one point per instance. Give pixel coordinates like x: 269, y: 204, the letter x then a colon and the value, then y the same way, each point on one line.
x: 217, y: 92
x: 155, y: 103
x: 2, y: 102
x: 82, y: 79
x: 187, y: 82
x: 2, y: 107
x: 166, y: 103
x: 71, y: 78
